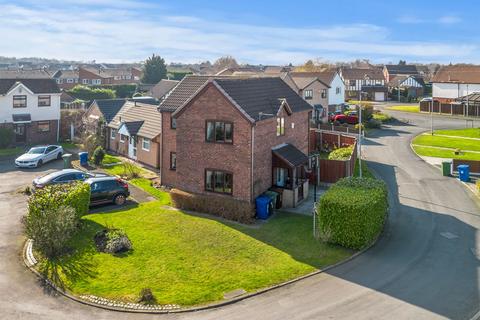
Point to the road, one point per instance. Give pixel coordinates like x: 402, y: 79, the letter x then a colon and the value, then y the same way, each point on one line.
x: 425, y: 266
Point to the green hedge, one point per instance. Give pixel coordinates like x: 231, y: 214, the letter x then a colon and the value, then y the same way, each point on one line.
x: 341, y: 153
x: 75, y: 195
x: 351, y: 213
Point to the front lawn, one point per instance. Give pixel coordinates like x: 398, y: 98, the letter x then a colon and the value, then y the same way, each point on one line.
x: 415, y: 108
x: 11, y: 151
x: 190, y: 260
x: 447, y: 142
x: 109, y: 159
x: 468, y: 133
x: 445, y: 153
x: 146, y: 185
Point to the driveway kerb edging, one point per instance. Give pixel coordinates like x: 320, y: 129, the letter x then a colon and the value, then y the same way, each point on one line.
x: 213, y: 305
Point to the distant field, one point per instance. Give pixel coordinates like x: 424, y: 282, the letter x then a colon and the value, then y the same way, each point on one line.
x: 404, y: 108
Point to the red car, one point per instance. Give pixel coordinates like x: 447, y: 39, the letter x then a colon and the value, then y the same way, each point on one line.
x: 351, y: 118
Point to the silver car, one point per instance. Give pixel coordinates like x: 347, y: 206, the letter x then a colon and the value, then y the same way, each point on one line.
x: 37, y: 156
x: 64, y: 176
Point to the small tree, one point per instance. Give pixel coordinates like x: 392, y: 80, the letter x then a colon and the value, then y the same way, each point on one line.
x: 225, y: 62
x: 98, y: 155
x: 51, y: 229
x: 155, y: 70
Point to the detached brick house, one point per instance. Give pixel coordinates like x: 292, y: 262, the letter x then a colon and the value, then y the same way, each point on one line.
x: 31, y: 107
x: 237, y: 138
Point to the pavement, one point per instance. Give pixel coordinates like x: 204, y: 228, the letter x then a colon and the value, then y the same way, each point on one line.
x: 424, y: 266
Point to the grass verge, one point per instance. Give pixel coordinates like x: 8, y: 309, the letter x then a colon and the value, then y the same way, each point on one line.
x: 468, y: 133
x: 190, y: 260
x: 146, y: 185
x: 11, y: 151
x: 366, y: 173
x: 446, y: 142
x: 109, y: 159
x: 404, y: 108
x: 444, y: 153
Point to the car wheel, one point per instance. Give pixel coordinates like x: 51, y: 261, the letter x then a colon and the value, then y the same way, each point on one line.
x: 39, y: 163
x: 59, y: 156
x: 119, y: 199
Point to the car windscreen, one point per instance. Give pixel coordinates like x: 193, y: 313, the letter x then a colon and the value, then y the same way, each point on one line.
x: 38, y: 150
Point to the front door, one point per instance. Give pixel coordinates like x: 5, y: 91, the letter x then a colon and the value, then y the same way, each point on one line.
x: 20, y: 133
x: 280, y: 177
x: 132, y: 147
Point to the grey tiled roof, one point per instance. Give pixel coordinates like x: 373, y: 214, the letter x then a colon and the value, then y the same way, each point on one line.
x: 262, y: 95
x: 134, y: 126
x: 35, y: 85
x: 291, y: 155
x: 110, y: 107
x: 401, y: 69
x: 139, y: 112
x: 182, y: 92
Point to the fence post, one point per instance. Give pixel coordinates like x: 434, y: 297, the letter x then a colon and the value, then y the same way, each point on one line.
x: 451, y: 109
x: 338, y: 136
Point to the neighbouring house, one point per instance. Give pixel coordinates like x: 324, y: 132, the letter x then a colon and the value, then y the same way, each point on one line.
x: 315, y: 92
x: 408, y: 86
x: 369, y: 83
x: 26, y: 74
x: 101, y: 112
x: 452, y: 82
x: 162, y: 88
x: 336, y: 92
x: 67, y: 79
x: 393, y: 70
x: 31, y: 107
x: 135, y: 133
x: 239, y: 137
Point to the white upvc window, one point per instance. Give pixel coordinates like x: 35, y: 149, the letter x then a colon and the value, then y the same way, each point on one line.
x: 69, y: 80
x: 85, y: 81
x: 146, y: 144
x: 113, y: 134
x: 96, y: 81
x: 122, y: 138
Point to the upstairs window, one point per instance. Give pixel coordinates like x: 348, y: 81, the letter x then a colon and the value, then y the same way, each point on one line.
x: 113, y: 134
x: 173, y: 123
x: 352, y: 83
x: 218, y: 181
x: 308, y: 94
x: 280, y: 126
x: 20, y: 101
x: 337, y: 90
x: 219, y: 132
x: 44, y: 101
x: 324, y: 93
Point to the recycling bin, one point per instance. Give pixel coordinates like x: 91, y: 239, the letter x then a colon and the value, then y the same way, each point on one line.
x: 446, y: 168
x: 67, y: 161
x: 83, y: 156
x: 464, y: 172
x: 263, y: 204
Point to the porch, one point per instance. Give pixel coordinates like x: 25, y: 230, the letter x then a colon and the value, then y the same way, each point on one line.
x: 289, y: 178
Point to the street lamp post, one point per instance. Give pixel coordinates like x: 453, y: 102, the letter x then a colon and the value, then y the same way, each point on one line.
x: 360, y: 135
x: 431, y: 117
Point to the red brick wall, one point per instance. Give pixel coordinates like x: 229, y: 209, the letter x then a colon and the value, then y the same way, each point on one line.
x: 36, y: 137
x: 194, y: 155
x: 266, y: 138
x: 169, y: 144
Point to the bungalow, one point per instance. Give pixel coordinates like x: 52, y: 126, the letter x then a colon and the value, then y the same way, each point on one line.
x: 135, y: 132
x: 101, y: 112
x: 239, y: 137
x: 31, y: 108
x: 452, y: 82
x: 162, y: 88
x: 370, y: 83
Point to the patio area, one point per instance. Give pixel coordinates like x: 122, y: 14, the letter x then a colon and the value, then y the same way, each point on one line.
x: 306, y: 206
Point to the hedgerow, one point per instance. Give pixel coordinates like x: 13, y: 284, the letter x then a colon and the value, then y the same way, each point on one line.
x: 75, y: 195
x: 351, y: 213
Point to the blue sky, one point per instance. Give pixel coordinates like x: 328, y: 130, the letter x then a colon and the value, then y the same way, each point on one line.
x: 266, y: 32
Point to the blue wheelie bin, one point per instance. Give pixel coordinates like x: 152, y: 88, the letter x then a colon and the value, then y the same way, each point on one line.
x: 464, y: 172
x: 263, y: 207
x: 83, y: 156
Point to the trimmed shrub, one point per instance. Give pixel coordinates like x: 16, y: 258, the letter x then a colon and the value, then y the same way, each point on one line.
x: 225, y: 207
x: 112, y: 241
x: 98, y: 155
x: 352, y: 211
x: 75, y: 195
x: 341, y: 153
x: 51, y: 229
x: 6, y: 137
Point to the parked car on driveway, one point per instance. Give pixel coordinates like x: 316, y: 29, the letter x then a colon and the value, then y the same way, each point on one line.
x: 108, y: 189
x: 351, y: 118
x: 37, y: 156
x: 64, y: 176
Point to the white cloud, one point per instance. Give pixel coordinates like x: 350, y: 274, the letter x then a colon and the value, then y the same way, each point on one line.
x: 412, y: 19
x: 449, y: 20
x: 122, y: 34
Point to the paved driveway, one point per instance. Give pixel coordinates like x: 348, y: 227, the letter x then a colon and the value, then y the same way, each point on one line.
x: 425, y: 266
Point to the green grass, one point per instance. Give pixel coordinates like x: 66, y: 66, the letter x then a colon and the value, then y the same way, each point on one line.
x: 146, y: 185
x: 70, y: 145
x: 468, y: 133
x: 447, y: 142
x: 382, y: 117
x: 441, y: 153
x: 190, y: 260
x: 109, y: 159
x: 365, y: 171
x: 405, y: 108
x: 11, y: 151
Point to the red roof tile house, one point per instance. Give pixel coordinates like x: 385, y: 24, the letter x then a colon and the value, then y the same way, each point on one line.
x: 236, y: 138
